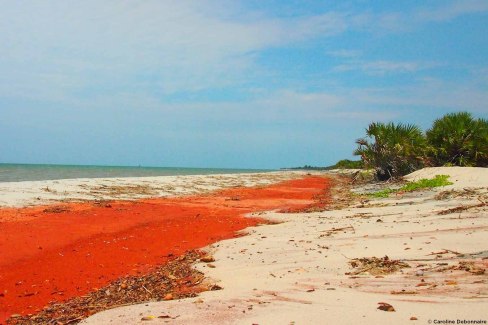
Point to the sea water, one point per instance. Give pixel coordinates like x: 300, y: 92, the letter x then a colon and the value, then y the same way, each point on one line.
x: 31, y: 172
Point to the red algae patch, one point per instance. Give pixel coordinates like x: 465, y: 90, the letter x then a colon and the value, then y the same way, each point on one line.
x: 54, y: 253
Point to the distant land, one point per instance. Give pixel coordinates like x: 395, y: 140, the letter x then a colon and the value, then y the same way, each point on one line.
x: 341, y: 164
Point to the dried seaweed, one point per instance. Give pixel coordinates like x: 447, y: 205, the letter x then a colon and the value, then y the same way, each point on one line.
x: 471, y: 267
x: 116, y: 190
x: 339, y: 196
x: 376, y: 266
x: 336, y: 230
x: 464, y: 193
x: 56, y: 209
x: 462, y: 208
x: 174, y: 280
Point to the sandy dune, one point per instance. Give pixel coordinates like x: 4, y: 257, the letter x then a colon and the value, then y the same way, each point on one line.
x: 301, y: 271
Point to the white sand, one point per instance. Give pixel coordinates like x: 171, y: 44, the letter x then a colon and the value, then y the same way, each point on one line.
x: 294, y: 272
x: 18, y: 194
x: 460, y: 176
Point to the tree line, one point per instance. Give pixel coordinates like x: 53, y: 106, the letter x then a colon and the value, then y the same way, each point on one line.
x: 394, y: 150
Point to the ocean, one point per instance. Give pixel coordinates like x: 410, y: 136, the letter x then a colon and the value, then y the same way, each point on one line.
x: 28, y: 172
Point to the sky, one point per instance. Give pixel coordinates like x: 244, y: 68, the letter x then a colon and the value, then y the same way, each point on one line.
x: 237, y: 84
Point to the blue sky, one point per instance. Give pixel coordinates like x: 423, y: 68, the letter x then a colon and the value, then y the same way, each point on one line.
x: 250, y: 84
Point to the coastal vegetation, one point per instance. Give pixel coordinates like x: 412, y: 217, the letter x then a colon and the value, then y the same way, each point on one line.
x: 341, y: 164
x: 307, y: 167
x: 424, y: 183
x: 347, y: 164
x: 394, y: 150
x: 458, y: 139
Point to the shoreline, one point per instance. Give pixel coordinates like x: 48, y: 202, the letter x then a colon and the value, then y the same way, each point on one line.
x: 307, y: 268
x: 76, y: 247
x: 41, y: 172
x: 31, y: 193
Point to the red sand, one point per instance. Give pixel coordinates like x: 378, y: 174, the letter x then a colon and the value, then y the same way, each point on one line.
x: 47, y: 256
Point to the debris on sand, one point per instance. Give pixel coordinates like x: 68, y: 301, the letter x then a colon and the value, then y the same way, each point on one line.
x: 207, y: 258
x: 118, y: 190
x: 174, y: 280
x: 385, y: 307
x: 461, y: 208
x: 376, y: 266
x: 471, y: 267
x: 339, y: 196
x: 329, y: 232
x: 450, y: 194
x: 471, y: 263
x: 56, y: 209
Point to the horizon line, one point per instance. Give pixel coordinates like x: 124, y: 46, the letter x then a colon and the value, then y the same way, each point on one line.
x: 131, y: 166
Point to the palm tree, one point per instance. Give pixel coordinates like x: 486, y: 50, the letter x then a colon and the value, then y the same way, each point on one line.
x: 392, y: 150
x: 460, y: 140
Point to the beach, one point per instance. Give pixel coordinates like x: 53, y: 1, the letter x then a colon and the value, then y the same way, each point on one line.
x: 65, y: 238
x: 243, y: 162
x: 292, y: 247
x: 27, y: 193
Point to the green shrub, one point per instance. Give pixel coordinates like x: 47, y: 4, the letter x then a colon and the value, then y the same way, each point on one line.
x: 457, y: 139
x: 437, y: 181
x: 393, y: 150
x: 381, y: 194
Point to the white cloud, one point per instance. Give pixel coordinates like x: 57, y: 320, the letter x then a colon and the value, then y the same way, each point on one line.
x: 304, y: 100
x: 399, y: 22
x: 345, y: 53
x: 453, y: 9
x: 383, y: 67
x: 176, y: 45
x: 429, y: 93
x: 121, y: 51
